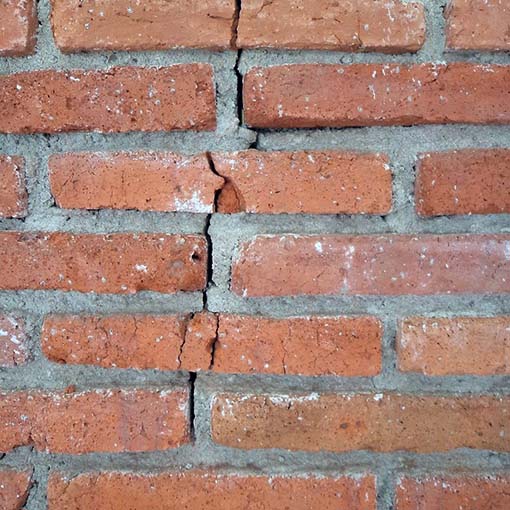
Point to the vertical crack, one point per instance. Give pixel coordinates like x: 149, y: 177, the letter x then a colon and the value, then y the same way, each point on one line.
x: 192, y: 379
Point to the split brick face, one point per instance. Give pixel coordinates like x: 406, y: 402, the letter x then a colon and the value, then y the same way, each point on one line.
x: 254, y: 254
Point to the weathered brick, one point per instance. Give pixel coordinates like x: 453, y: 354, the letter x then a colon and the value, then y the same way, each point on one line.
x: 119, y: 99
x: 473, y: 181
x: 299, y: 345
x: 290, y: 265
x: 18, y: 25
x: 461, y: 492
x: 360, y: 25
x: 150, y: 25
x: 13, y: 194
x: 350, y: 422
x: 460, y: 345
x: 315, y: 182
x: 112, y: 263
x: 146, y: 181
x: 164, y: 342
x: 95, y: 421
x: 13, y: 341
x: 207, y: 489
x: 327, y: 95
x: 14, y: 488
x: 480, y: 25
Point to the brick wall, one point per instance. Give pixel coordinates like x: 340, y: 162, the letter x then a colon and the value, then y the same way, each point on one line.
x: 255, y: 254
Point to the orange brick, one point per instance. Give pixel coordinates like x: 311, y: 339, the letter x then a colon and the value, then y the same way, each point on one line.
x: 13, y: 194
x: 13, y: 341
x: 381, y: 423
x: 289, y: 265
x: 120, y: 99
x: 359, y: 25
x: 152, y: 25
x: 18, y: 25
x: 315, y: 182
x: 473, y: 181
x: 113, y: 263
x: 14, y: 488
x: 205, y: 489
x: 327, y: 95
x: 146, y: 181
x: 460, y: 345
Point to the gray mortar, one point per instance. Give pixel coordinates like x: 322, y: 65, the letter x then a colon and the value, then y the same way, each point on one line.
x: 225, y: 232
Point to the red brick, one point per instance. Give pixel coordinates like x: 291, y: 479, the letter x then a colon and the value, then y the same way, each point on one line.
x: 207, y: 489
x: 18, y: 25
x: 327, y: 95
x: 112, y: 263
x: 291, y: 265
x: 460, y: 345
x: 13, y: 194
x: 95, y: 421
x: 381, y: 423
x: 473, y: 181
x: 360, y: 25
x: 149, y: 25
x: 146, y: 181
x: 170, y: 342
x: 14, y: 488
x: 299, y: 345
x: 459, y: 492
x: 13, y: 341
x: 304, y: 182
x: 480, y: 25
x: 119, y: 99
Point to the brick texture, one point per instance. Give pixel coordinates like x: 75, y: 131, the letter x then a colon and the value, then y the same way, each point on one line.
x: 311, y: 182
x: 478, y: 25
x: 326, y: 95
x: 454, y: 493
x: 151, y: 25
x: 169, y: 342
x: 377, y: 422
x: 461, y: 345
x: 13, y: 341
x: 386, y: 265
x: 14, y: 487
x: 120, y: 99
x: 359, y: 25
x: 299, y: 345
x: 13, y: 195
x: 114, y: 263
x: 145, y: 181
x: 95, y: 421
x: 197, y: 489
x: 18, y: 25
x: 463, y: 182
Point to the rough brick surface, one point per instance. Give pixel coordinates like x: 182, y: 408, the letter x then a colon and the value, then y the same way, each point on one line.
x: 18, y: 25
x: 13, y: 341
x: 460, y: 345
x: 454, y: 493
x: 299, y: 346
x: 119, y: 99
x: 387, y: 265
x: 359, y: 25
x: 376, y: 422
x: 14, y: 487
x: 95, y: 421
x: 326, y: 95
x: 170, y: 342
x: 149, y: 25
x: 114, y: 263
x: 146, y: 181
x: 473, y: 181
x: 313, y: 182
x: 198, y: 489
x: 478, y: 25
x: 13, y: 195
